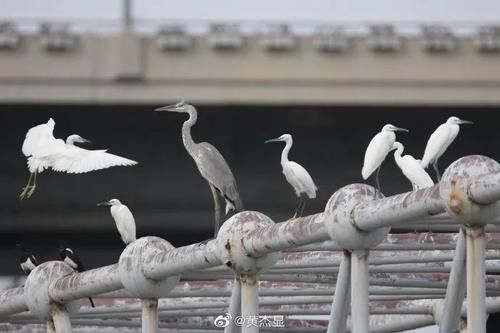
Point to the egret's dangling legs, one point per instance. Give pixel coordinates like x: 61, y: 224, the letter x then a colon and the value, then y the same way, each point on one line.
x: 217, y: 208
x: 436, y: 169
x: 28, y: 189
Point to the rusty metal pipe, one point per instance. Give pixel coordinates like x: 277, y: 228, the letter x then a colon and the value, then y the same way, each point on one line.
x: 249, y: 303
x: 234, y: 306
x: 476, y: 291
x: 485, y: 189
x: 341, y: 299
x: 60, y: 318
x: 12, y: 301
x: 398, y: 209
x: 149, y: 318
x: 359, y: 292
x: 455, y: 291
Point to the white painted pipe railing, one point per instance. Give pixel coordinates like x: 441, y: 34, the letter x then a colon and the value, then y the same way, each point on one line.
x: 357, y: 218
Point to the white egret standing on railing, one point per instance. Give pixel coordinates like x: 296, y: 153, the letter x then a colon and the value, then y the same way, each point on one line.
x: 124, y: 220
x: 440, y: 140
x: 44, y: 151
x: 377, y: 150
x: 296, y: 175
x: 210, y: 163
x: 411, y: 168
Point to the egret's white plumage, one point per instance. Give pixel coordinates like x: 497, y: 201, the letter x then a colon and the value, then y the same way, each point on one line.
x: 295, y: 173
x: 411, y: 168
x: 124, y: 220
x: 440, y: 140
x: 44, y: 151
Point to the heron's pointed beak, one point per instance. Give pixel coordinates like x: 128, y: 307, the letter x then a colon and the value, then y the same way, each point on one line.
x: 273, y: 140
x: 172, y: 107
x: 462, y: 121
x: 86, y: 141
x: 103, y: 203
x: 400, y: 129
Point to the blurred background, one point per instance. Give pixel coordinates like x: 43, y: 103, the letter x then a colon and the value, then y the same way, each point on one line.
x: 331, y: 73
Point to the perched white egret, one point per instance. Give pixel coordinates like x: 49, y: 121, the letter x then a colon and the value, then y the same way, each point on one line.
x: 296, y: 175
x: 377, y: 150
x: 211, y: 164
x: 411, y: 168
x: 44, y: 151
x: 440, y: 140
x: 124, y: 219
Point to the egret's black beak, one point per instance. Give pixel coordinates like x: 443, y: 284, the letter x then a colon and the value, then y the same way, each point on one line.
x: 103, y: 203
x: 86, y: 141
x: 400, y: 129
x: 273, y: 140
x: 466, y: 122
x: 177, y: 107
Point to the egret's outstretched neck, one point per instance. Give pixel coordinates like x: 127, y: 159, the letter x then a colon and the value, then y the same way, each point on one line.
x: 284, y: 153
x: 186, y: 128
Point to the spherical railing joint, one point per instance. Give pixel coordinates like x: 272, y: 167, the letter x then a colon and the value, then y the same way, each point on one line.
x: 454, y: 189
x: 231, y: 244
x: 340, y: 222
x: 38, y: 283
x: 131, y: 268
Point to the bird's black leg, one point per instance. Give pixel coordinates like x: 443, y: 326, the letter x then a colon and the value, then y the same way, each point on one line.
x: 298, y: 207
x: 26, y: 188
x: 91, y: 302
x: 436, y: 169
x: 217, y: 208
x: 377, y: 179
x: 303, y: 196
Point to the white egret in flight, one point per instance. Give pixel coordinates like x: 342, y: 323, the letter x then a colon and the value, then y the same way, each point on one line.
x: 124, y: 220
x: 377, y: 150
x: 440, y: 140
x: 44, y: 151
x: 211, y: 165
x: 411, y: 168
x: 296, y: 175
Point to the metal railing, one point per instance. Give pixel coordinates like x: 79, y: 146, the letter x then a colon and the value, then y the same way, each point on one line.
x: 356, y: 220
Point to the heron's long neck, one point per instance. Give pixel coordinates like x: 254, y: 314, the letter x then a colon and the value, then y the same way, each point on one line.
x: 187, y: 139
x: 70, y: 140
x: 398, y: 152
x: 284, y: 153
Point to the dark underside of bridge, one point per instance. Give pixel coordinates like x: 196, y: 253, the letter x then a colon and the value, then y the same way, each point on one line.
x: 165, y: 191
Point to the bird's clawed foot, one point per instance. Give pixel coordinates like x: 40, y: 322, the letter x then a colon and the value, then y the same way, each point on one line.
x: 27, y: 192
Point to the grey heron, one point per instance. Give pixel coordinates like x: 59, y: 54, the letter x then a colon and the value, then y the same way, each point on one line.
x: 211, y: 165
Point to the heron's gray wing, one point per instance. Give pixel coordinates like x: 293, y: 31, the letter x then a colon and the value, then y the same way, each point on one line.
x: 214, y: 168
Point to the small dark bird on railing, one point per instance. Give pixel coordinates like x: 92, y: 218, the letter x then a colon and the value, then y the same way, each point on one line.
x: 27, y: 260
x: 71, y: 258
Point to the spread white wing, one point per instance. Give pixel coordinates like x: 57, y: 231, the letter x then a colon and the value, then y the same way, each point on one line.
x: 78, y: 160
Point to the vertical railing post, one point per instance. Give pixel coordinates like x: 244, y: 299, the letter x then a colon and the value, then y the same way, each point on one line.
x: 234, y: 306
x: 455, y: 291
x: 359, y: 292
x: 341, y: 299
x: 250, y: 303
x: 149, y: 315
x: 60, y: 318
x: 476, y: 275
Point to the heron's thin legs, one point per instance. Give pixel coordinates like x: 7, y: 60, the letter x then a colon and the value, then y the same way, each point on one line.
x: 303, y: 197
x: 33, y: 187
x: 436, y: 169
x: 298, y: 207
x: 377, y: 179
x: 217, y: 208
x: 26, y: 188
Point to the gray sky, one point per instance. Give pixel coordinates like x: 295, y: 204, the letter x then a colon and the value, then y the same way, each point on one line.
x: 355, y: 10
